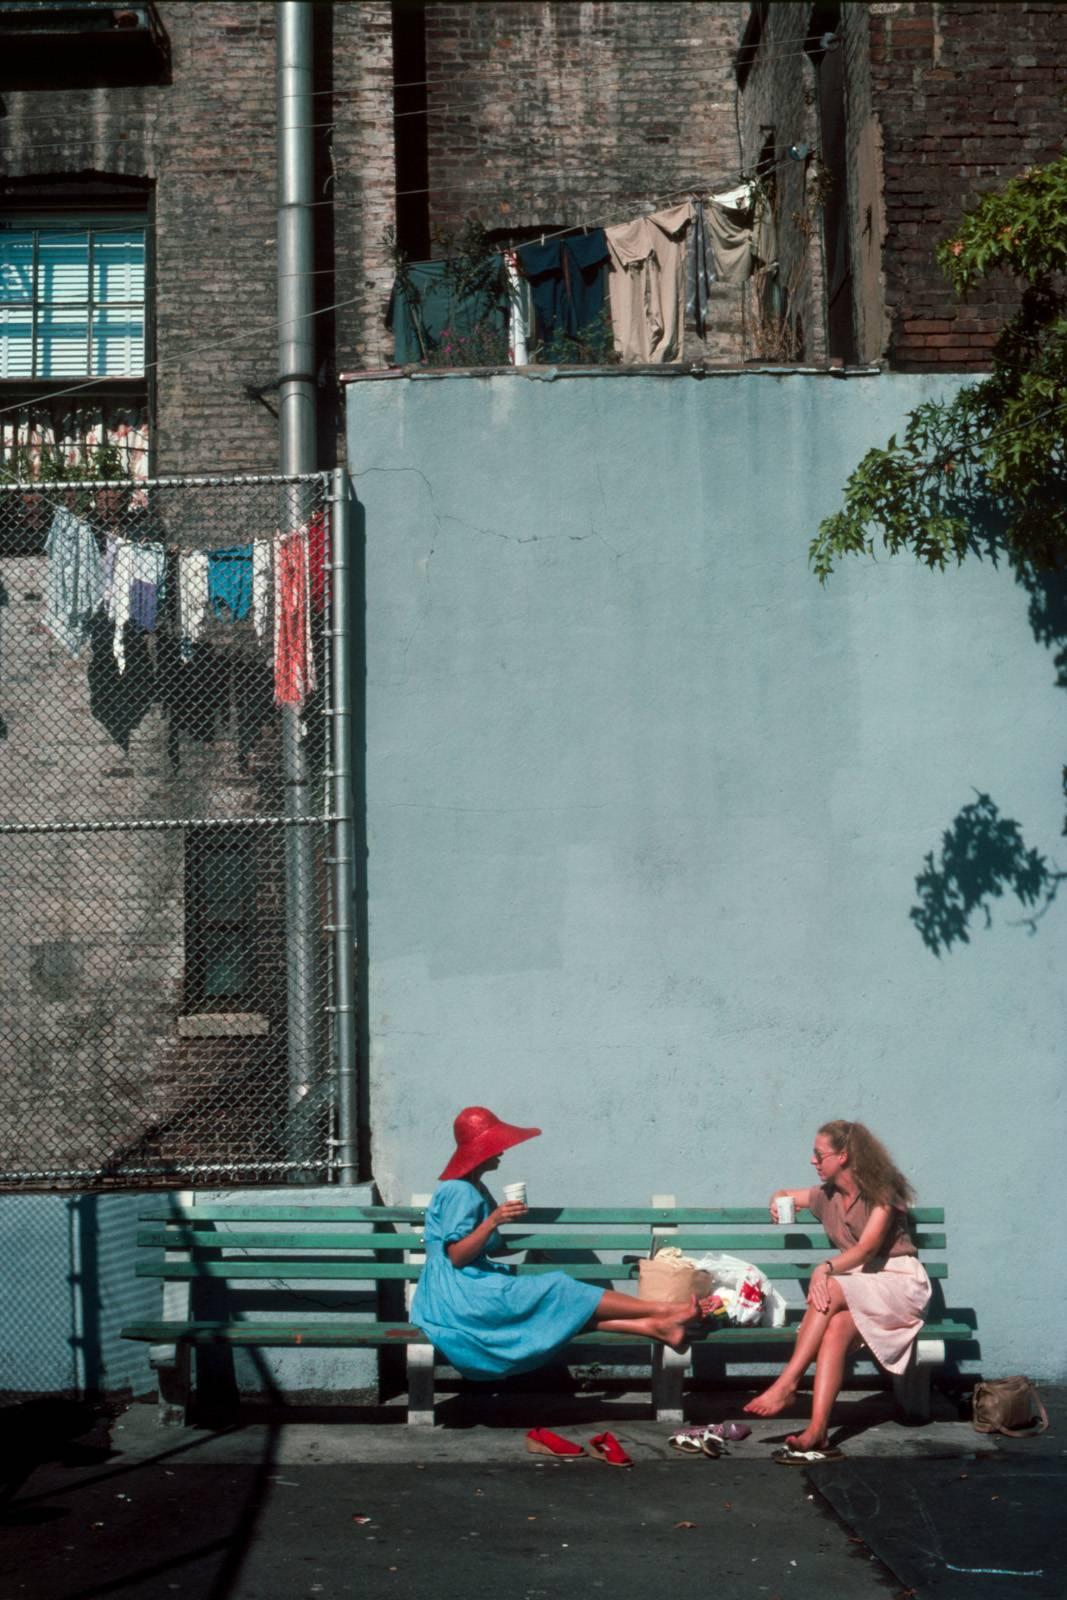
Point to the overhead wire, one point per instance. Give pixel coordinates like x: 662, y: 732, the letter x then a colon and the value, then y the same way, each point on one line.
x: 488, y: 75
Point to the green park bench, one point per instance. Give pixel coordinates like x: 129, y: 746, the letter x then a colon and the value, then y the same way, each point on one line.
x: 288, y: 1248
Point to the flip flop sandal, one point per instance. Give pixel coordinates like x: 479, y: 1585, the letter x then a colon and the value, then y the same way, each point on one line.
x: 607, y: 1448
x: 712, y: 1446
x: 689, y: 1441
x: 541, y: 1442
x: 786, y: 1456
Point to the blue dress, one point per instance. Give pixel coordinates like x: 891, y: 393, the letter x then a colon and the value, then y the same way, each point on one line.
x: 484, y: 1320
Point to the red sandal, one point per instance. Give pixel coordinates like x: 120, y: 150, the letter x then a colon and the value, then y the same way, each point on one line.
x: 541, y: 1442
x: 607, y: 1448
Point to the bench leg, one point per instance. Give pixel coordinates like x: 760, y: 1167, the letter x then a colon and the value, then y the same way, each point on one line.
x: 173, y: 1366
x: 420, y: 1385
x: 669, y: 1368
x: 911, y: 1387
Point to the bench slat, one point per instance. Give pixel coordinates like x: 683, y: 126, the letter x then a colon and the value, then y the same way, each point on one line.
x: 339, y: 1337
x: 696, y: 1216
x: 183, y: 1236
x: 283, y: 1268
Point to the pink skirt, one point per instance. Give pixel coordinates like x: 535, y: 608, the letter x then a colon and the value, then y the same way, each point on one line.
x: 887, y: 1307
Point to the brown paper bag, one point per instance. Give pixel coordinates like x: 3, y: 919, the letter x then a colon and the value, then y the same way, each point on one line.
x: 670, y: 1277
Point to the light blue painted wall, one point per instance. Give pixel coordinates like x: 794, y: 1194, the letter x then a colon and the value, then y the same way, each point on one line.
x: 645, y: 809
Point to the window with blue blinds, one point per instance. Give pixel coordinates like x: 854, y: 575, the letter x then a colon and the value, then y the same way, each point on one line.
x: 72, y: 298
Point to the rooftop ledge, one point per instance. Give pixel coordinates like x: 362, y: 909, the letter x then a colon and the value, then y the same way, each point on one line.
x: 676, y: 369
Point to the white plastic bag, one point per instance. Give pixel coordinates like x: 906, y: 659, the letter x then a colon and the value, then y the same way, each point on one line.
x: 747, y: 1294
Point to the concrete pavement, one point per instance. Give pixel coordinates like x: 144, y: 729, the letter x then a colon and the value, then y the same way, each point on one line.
x: 276, y: 1509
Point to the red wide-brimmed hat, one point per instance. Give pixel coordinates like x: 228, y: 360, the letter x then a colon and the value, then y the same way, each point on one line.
x: 480, y: 1135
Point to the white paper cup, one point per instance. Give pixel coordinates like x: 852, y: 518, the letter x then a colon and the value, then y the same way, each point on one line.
x: 515, y: 1191
x: 787, y: 1214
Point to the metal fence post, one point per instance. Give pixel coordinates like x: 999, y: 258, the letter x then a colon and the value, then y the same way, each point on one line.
x: 342, y: 865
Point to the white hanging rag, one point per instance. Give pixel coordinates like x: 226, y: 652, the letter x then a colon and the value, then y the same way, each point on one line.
x: 262, y: 587
x: 134, y: 563
x: 192, y: 598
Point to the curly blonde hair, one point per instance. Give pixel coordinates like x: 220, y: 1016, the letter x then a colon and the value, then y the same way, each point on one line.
x: 878, y: 1178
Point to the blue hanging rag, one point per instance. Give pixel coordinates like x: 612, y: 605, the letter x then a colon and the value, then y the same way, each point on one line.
x: 229, y: 581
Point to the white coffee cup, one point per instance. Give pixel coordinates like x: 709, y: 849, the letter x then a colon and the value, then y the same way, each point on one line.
x: 515, y: 1192
x: 786, y: 1209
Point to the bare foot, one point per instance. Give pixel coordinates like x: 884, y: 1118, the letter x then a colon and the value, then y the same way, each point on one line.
x: 810, y: 1439
x: 772, y: 1400
x: 675, y: 1329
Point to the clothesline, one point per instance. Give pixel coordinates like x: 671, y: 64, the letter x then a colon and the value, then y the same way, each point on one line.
x: 278, y: 581
x: 651, y: 272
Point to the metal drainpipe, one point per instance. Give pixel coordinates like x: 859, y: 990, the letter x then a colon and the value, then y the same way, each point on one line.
x: 297, y: 427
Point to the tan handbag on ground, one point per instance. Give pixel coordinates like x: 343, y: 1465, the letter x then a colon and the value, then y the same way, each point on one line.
x: 1008, y: 1405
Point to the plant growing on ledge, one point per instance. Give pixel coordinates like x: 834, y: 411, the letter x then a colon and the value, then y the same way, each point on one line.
x: 990, y: 463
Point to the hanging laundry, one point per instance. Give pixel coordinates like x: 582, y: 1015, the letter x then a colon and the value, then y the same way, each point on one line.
x: 567, y: 279
x: 319, y: 562
x: 143, y: 565
x: 646, y: 285
x: 75, y: 583
x: 458, y: 312
x: 740, y: 233
x: 192, y: 599
x: 229, y: 581
x: 700, y: 270
x: 294, y: 662
x: 521, y: 314
x: 262, y: 586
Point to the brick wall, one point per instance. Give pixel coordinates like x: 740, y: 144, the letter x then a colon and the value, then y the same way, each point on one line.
x: 941, y: 103
x: 549, y: 116
x: 967, y: 97
x: 777, y: 111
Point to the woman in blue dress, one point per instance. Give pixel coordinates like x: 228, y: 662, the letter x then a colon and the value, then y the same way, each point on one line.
x: 486, y: 1321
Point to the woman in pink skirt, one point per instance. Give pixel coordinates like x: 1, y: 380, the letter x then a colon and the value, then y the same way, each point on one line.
x: 874, y: 1292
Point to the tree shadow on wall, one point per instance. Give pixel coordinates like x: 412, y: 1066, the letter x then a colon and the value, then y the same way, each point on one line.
x: 983, y: 855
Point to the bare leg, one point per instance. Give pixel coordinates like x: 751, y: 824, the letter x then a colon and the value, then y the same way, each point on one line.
x: 810, y: 1334
x: 839, y: 1340
x: 664, y: 1320
x: 673, y: 1330
x: 618, y: 1306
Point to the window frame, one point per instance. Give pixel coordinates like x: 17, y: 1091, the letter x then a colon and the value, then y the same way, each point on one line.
x: 43, y: 220
x: 203, y: 933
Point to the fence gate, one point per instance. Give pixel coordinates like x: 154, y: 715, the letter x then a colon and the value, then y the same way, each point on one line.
x: 166, y: 888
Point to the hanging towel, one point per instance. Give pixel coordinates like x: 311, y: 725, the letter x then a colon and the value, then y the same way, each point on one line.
x: 567, y: 279
x: 75, y: 583
x: 647, y: 284
x: 294, y: 663
x: 192, y: 599
x: 262, y: 586
x: 229, y: 581
x: 143, y: 565
x: 741, y: 234
x: 319, y: 562
x: 429, y: 310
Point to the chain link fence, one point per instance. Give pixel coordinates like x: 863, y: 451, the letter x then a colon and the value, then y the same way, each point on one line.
x: 165, y: 881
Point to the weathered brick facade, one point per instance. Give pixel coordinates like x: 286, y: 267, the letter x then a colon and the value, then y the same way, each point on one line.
x: 939, y: 103
x: 968, y: 96
x: 203, y: 146
x: 554, y: 116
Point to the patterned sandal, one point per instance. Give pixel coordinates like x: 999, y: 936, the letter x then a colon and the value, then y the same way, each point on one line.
x: 688, y: 1441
